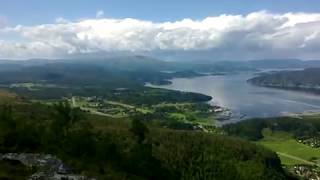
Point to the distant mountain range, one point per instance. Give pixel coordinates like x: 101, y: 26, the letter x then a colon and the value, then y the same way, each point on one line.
x: 153, y: 64
x: 283, y: 63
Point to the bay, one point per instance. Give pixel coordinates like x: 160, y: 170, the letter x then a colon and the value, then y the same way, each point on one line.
x: 246, y: 100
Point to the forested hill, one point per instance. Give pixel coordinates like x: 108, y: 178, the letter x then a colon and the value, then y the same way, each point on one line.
x: 308, y: 80
x: 100, y: 147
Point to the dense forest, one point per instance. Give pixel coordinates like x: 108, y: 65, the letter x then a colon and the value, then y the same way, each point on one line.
x: 59, y: 80
x: 130, y: 149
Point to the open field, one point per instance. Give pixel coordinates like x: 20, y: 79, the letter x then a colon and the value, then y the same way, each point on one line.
x: 289, y: 150
x: 6, y: 96
x: 181, y: 112
x: 179, y: 115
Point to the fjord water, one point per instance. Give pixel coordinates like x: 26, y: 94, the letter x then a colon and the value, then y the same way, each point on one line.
x: 246, y: 100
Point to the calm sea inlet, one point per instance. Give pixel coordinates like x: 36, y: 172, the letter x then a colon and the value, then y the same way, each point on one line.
x: 246, y: 100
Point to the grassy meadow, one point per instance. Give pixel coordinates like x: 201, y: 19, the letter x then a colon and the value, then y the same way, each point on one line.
x: 289, y: 150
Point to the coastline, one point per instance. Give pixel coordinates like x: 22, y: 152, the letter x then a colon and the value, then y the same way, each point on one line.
x: 310, y: 90
x: 304, y: 114
x: 229, y: 114
x: 222, y: 114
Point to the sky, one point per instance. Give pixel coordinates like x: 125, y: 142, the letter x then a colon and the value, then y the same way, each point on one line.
x: 229, y: 29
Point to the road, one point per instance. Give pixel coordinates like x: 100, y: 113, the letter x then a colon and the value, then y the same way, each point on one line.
x: 93, y: 111
x: 296, y: 158
x: 73, y: 102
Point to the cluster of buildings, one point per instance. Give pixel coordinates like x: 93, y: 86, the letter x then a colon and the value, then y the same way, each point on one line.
x: 307, y: 172
x: 312, y: 142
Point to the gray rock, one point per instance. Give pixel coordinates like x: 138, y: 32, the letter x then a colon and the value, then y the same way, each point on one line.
x: 49, y: 166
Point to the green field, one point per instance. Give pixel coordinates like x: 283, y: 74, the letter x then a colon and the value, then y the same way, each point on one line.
x: 190, y: 113
x: 289, y: 150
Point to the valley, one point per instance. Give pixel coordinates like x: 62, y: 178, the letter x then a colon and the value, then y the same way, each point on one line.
x: 159, y: 114
x: 159, y: 90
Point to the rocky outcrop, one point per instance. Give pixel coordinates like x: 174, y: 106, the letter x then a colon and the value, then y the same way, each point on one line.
x: 48, y: 166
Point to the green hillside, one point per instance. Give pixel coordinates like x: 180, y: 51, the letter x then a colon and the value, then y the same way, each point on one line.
x: 107, y: 148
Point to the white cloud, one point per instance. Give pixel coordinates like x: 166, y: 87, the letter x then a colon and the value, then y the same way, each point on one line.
x: 256, y: 35
x: 99, y: 14
x: 61, y: 20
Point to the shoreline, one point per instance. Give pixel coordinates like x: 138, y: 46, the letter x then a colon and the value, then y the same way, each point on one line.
x: 313, y: 91
x: 304, y: 114
x: 226, y: 115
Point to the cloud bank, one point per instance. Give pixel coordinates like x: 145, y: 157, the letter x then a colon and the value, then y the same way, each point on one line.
x: 255, y: 35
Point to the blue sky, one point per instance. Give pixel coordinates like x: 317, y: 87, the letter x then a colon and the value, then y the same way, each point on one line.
x: 29, y: 12
x: 206, y: 29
